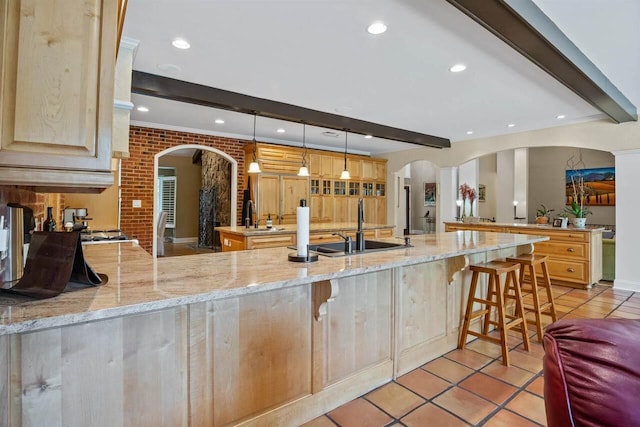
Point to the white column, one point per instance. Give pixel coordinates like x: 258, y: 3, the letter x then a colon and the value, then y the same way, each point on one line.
x: 521, y: 181
x: 448, y: 182
x: 627, y: 230
x: 505, y: 187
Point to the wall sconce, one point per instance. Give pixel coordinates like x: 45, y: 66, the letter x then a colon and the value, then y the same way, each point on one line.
x: 459, y: 205
x: 515, y: 209
x: 345, y: 173
x: 304, y: 171
x: 254, y: 167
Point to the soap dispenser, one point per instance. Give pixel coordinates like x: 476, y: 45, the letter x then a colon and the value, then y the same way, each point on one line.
x: 269, y: 222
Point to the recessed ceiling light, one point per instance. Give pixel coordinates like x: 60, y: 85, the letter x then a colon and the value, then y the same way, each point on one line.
x: 142, y: 109
x: 469, y: 132
x: 181, y: 44
x: 368, y: 136
x: 561, y: 116
x: 280, y: 130
x: 510, y: 125
x: 219, y: 121
x: 458, y: 68
x: 377, y: 27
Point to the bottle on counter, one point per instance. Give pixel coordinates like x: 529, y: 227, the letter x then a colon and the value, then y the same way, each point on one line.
x: 269, y: 222
x: 50, y: 222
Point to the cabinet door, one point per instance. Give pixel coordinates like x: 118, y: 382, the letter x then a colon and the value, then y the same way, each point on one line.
x: 57, y: 83
x: 292, y: 189
x: 341, y: 211
x: 268, y: 197
x: 381, y: 210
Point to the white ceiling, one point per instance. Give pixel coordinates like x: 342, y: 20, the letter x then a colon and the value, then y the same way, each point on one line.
x: 317, y: 54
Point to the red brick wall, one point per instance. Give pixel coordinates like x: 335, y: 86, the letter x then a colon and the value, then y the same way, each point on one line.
x: 137, y: 175
x: 37, y: 201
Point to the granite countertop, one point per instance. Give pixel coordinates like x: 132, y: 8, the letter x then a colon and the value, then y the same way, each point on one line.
x: 571, y: 228
x: 320, y: 227
x: 139, y: 283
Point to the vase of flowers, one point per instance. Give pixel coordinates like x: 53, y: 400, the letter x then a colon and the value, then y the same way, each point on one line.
x: 467, y: 192
x: 580, y: 192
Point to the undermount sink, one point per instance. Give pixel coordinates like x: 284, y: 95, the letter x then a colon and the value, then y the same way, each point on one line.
x: 336, y: 249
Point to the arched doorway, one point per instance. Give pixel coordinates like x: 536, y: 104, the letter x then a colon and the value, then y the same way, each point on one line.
x: 190, y: 151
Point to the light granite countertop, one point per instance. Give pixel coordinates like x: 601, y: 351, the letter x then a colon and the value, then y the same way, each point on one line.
x: 139, y: 283
x: 587, y: 229
x: 320, y: 227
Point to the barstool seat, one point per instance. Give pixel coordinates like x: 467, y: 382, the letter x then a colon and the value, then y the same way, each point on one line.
x: 497, y: 294
x: 531, y: 286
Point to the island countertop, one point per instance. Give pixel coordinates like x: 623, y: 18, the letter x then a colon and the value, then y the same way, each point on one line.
x: 321, y: 227
x: 139, y: 283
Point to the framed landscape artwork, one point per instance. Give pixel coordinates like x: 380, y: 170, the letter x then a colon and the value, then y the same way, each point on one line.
x: 429, y: 193
x: 482, y: 193
x: 599, y: 183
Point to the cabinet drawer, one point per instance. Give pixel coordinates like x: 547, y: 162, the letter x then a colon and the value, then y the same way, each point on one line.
x: 279, y: 167
x: 573, y: 271
x: 563, y: 249
x: 259, y: 242
x: 554, y: 235
x: 384, y: 232
x: 280, y: 153
x: 316, y: 238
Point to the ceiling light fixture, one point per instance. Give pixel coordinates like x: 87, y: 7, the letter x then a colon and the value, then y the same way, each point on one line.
x: 377, y: 27
x: 345, y: 173
x: 304, y: 171
x: 368, y: 136
x: 142, y: 109
x: 561, y: 116
x: 510, y: 125
x: 254, y: 167
x: 180, y: 44
x: 469, y: 132
x: 458, y: 68
x: 219, y: 121
x: 280, y: 130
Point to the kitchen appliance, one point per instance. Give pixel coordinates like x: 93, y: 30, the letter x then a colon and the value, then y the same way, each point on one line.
x: 77, y: 216
x: 12, y: 247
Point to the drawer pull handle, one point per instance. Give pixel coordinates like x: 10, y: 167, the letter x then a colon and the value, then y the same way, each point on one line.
x: 570, y: 250
x: 571, y: 270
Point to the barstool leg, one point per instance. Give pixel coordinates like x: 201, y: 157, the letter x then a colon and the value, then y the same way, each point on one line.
x: 547, y: 283
x: 467, y: 314
x: 491, y: 292
x: 502, y: 319
x: 536, y: 301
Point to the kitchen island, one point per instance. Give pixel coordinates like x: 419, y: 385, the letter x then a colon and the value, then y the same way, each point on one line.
x: 575, y: 254
x: 238, y: 238
x: 238, y: 338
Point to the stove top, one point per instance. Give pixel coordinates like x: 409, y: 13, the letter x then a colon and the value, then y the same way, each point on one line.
x: 98, y: 235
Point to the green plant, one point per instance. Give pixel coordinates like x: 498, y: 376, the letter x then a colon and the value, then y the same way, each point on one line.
x: 543, y: 211
x: 578, y: 210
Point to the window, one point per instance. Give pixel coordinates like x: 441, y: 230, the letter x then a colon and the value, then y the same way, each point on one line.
x: 167, y: 198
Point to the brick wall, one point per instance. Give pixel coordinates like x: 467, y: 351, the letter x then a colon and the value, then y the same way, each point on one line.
x: 27, y: 196
x: 137, y: 175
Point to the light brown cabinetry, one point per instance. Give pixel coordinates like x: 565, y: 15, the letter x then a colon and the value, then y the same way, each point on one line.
x: 330, y: 199
x: 57, y: 61
x: 575, y: 257
x: 279, y: 196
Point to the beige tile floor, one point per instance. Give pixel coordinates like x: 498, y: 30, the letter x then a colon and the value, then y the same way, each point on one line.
x: 471, y: 386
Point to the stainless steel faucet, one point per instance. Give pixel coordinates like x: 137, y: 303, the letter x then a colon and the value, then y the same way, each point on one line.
x: 347, y: 242
x: 360, y: 233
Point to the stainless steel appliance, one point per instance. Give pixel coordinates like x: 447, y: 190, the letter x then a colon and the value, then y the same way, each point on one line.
x: 12, y: 248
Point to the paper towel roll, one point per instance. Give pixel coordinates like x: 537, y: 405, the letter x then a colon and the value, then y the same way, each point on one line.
x: 302, y: 214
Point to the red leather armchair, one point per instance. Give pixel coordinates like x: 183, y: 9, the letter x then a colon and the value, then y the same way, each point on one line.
x: 592, y: 373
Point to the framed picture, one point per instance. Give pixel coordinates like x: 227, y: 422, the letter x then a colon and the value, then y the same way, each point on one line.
x: 482, y: 193
x: 429, y: 193
x: 557, y: 222
x: 599, y: 184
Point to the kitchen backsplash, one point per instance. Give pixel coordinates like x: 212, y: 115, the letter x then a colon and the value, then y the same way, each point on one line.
x: 37, y: 201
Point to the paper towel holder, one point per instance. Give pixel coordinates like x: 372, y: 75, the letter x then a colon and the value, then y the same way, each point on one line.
x: 294, y: 257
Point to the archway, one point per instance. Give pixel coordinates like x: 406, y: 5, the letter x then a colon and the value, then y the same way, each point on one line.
x: 193, y: 147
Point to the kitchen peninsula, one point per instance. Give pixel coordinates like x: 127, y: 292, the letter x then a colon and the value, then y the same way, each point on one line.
x: 575, y: 254
x: 238, y: 238
x: 238, y: 338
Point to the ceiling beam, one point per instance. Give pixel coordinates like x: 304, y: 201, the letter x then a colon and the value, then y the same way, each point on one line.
x: 178, y: 90
x: 523, y: 26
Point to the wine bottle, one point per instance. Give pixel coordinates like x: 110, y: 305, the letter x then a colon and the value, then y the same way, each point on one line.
x: 50, y: 222
x: 269, y: 222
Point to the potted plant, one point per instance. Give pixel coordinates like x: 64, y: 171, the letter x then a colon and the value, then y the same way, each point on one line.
x: 467, y: 192
x: 542, y: 215
x: 580, y: 191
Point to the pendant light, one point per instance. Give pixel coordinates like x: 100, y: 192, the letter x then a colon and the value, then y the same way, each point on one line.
x: 304, y: 171
x: 254, y: 167
x: 345, y: 173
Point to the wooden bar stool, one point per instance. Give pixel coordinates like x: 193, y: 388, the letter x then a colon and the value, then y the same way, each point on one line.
x: 532, y: 285
x: 496, y: 295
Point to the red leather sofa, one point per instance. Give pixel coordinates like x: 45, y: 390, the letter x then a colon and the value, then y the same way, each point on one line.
x: 592, y: 372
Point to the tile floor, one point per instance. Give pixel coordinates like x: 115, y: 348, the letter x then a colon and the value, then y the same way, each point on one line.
x: 471, y: 386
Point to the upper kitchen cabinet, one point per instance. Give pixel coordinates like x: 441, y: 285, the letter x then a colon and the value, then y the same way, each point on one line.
x: 56, y: 92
